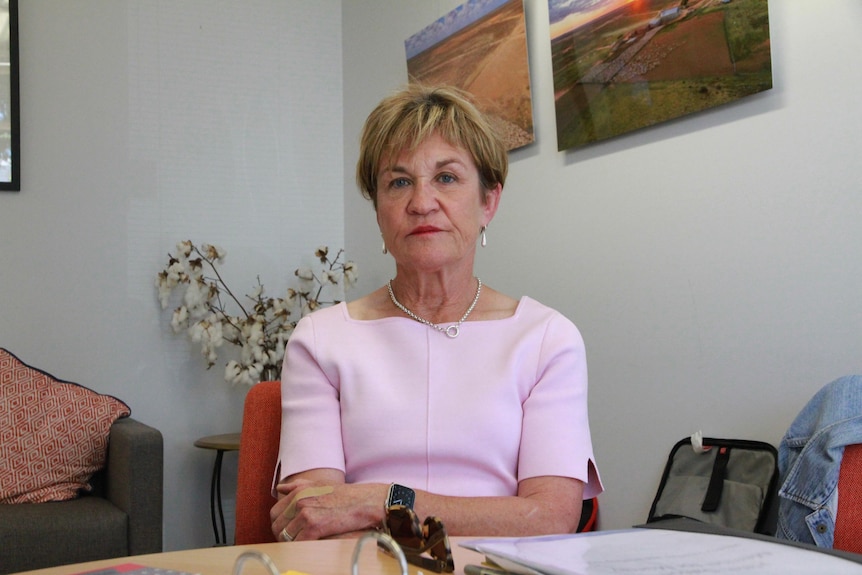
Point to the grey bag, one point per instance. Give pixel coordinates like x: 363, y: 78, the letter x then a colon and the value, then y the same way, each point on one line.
x: 731, y: 483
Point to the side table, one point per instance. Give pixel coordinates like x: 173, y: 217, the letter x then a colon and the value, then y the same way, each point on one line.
x: 220, y: 443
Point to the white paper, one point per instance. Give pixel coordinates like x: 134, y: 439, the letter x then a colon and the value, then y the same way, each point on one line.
x: 657, y: 552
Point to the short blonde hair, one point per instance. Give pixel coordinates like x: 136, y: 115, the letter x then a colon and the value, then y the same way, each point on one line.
x: 408, y: 117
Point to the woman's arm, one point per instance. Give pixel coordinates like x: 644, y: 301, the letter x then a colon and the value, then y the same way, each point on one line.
x: 543, y: 505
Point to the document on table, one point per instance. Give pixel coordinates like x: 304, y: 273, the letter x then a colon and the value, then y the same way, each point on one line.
x: 655, y: 552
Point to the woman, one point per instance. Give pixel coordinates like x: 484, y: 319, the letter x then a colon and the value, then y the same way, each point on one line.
x: 435, y: 381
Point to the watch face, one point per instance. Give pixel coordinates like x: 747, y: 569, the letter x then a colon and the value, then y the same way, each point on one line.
x: 400, y: 495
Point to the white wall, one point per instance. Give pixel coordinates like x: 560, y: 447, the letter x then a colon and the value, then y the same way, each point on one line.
x: 144, y: 123
x: 713, y: 264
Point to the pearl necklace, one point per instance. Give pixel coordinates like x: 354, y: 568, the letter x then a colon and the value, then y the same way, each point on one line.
x: 454, y: 329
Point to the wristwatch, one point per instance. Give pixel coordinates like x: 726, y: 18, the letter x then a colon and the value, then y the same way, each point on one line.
x: 400, y: 495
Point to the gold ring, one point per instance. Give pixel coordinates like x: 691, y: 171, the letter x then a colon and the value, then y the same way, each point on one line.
x: 285, y: 536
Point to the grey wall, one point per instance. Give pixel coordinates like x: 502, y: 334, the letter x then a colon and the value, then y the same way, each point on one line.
x: 713, y: 264
x: 148, y: 122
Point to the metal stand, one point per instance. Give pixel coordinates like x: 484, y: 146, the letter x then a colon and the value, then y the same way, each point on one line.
x: 215, y: 501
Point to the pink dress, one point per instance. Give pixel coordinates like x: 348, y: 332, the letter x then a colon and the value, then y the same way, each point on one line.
x: 393, y: 400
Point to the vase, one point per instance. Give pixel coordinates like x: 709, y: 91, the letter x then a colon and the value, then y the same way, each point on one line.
x: 270, y: 373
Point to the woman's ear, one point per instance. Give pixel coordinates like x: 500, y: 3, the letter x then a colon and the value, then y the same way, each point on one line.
x: 492, y: 202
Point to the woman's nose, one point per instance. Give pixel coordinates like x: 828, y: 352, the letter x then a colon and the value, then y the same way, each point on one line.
x: 423, y: 199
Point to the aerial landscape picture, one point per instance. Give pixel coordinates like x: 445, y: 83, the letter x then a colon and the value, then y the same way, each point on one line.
x: 622, y: 65
x: 480, y: 47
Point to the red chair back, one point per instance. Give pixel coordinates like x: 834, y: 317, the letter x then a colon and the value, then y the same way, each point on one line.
x: 589, y: 515
x: 848, y: 522
x: 258, y: 454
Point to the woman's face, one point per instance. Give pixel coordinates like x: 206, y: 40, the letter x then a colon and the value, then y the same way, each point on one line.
x: 430, y: 208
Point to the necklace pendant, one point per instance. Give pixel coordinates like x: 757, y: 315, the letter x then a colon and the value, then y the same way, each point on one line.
x: 453, y: 330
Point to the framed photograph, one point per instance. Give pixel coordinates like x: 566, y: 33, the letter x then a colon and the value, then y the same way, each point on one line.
x: 10, y: 137
x: 623, y: 65
x: 481, y: 48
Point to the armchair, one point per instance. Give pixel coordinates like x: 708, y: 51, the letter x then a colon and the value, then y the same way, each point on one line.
x: 122, y: 515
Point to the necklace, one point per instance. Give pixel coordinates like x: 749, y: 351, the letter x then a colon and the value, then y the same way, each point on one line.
x: 452, y: 330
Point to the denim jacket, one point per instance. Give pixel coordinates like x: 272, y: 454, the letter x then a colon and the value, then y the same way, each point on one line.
x: 809, y: 459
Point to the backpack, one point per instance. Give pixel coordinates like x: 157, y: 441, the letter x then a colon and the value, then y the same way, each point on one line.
x: 730, y: 482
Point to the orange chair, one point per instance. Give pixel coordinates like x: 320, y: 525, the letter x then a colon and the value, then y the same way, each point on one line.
x: 848, y: 521
x: 258, y: 453
x: 589, y: 515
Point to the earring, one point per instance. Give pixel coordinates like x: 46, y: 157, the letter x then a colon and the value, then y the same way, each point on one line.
x: 484, y: 237
x: 385, y: 251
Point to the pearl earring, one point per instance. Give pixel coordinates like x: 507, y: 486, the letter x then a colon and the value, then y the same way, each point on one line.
x: 484, y: 237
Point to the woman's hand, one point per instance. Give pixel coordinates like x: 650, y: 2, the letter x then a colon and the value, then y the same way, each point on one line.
x: 318, y: 504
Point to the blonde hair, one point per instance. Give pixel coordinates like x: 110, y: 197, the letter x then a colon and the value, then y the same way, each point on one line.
x: 408, y: 117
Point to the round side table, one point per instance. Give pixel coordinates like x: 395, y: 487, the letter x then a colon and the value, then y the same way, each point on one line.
x: 220, y: 443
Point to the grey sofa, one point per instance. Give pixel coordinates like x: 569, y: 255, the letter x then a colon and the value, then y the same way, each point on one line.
x: 121, y: 516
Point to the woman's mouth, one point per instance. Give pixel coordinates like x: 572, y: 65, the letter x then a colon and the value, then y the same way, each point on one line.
x: 422, y: 230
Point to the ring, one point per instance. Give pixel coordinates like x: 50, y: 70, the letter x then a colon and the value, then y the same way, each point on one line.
x: 285, y: 536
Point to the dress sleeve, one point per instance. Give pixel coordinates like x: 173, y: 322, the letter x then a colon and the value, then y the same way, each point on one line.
x: 555, y: 438
x: 310, y: 420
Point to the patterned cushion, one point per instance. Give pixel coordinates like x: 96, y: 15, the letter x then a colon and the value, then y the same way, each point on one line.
x: 53, y: 433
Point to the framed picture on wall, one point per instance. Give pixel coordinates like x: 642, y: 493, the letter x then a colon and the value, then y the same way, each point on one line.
x: 10, y: 137
x: 623, y: 65
x: 481, y: 48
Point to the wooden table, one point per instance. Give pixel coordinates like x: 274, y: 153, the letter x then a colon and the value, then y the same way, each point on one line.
x: 220, y: 443
x: 331, y: 557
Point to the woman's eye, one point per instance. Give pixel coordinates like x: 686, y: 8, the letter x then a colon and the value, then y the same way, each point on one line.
x: 447, y: 178
x: 399, y: 183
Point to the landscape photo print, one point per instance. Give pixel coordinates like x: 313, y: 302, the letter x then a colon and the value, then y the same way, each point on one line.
x: 622, y: 65
x: 480, y: 47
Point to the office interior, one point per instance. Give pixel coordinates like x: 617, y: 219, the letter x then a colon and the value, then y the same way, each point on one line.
x: 712, y: 263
